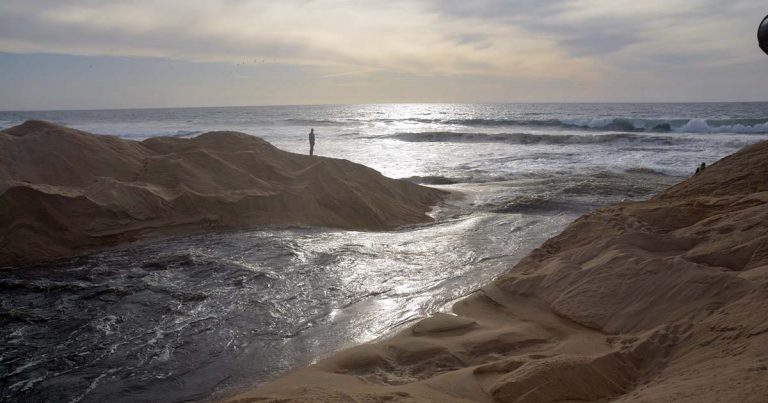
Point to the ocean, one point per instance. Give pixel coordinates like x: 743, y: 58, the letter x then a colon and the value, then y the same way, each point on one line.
x: 485, y: 141
x: 202, y: 316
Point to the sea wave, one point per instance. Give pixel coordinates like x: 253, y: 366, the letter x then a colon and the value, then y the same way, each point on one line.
x: 145, y: 134
x: 451, y: 180
x: 436, y: 180
x: 184, y: 133
x: 736, y: 126
x: 644, y: 171
x: 696, y: 125
x: 315, y: 122
x: 602, y: 182
x: 529, y: 138
x: 742, y: 126
x: 5, y: 124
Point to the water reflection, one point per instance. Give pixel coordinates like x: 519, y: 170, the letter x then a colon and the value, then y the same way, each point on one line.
x: 182, y: 318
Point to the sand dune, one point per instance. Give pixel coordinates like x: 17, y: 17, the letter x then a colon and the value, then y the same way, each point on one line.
x: 65, y: 191
x: 656, y: 301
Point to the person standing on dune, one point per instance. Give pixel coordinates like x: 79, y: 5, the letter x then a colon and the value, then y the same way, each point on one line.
x: 311, y: 141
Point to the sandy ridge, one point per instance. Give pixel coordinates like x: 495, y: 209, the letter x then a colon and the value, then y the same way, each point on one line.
x: 65, y: 191
x: 656, y: 301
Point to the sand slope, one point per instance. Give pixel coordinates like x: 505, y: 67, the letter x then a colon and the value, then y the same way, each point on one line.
x: 63, y: 191
x: 657, y: 301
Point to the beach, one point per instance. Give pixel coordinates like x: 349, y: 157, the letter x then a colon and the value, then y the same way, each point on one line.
x: 198, y: 254
x: 658, y: 300
x: 366, y: 202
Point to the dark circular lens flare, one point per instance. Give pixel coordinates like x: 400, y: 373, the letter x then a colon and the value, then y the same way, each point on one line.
x: 762, y: 35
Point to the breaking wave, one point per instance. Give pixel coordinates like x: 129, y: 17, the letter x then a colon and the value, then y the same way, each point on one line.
x: 5, y: 124
x: 528, y: 138
x: 734, y: 126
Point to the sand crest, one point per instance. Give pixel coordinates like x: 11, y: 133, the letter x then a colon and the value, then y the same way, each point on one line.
x: 655, y: 301
x: 65, y: 191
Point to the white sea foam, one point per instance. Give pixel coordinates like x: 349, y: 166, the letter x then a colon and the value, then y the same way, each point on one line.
x: 703, y: 126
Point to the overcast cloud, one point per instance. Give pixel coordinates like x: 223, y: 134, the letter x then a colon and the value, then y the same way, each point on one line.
x: 375, y: 51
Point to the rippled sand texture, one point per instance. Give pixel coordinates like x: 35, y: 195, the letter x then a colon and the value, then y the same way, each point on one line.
x: 659, y: 300
x: 65, y: 191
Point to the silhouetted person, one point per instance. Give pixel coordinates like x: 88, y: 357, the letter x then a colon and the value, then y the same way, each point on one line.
x: 311, y: 141
x: 701, y: 167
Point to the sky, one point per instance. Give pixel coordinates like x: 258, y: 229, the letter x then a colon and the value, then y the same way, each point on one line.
x: 97, y: 54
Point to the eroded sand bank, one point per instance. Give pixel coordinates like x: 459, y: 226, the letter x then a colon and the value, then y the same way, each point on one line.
x: 65, y: 191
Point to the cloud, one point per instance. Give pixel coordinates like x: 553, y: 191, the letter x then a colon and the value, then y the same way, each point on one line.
x: 586, y: 28
x: 565, y: 48
x: 339, y: 35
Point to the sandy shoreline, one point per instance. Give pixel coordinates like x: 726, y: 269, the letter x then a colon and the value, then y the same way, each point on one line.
x: 654, y: 301
x: 64, y: 192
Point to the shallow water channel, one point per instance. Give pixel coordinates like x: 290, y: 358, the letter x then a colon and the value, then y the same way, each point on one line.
x: 203, y: 316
